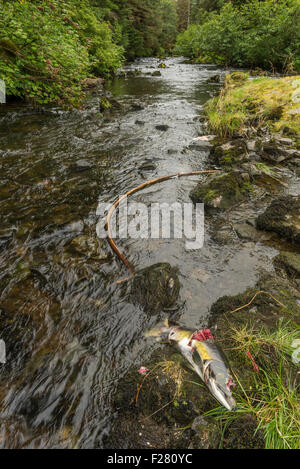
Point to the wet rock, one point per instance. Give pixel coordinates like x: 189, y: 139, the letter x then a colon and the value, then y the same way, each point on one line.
x: 136, y: 107
x: 133, y: 73
x: 158, y: 403
x: 89, y: 83
x: 107, y: 103
x: 172, y: 151
x: 230, y: 153
x: 222, y: 232
x: 277, y: 154
x: 221, y: 192
x: 253, y: 145
x: 268, y: 311
x: 89, y: 247
x: 252, y: 169
x: 156, y: 287
x: 162, y: 127
x: 202, y: 143
x: 284, y: 140
x: 147, y: 166
x: 138, y: 122
x: 282, y: 217
x: 214, y: 79
x: 205, y: 434
x: 289, y: 262
x: 81, y: 165
x: 157, y: 73
x: 104, y: 104
x: 162, y: 65
x: 248, y: 232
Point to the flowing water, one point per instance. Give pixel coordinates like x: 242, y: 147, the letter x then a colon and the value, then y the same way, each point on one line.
x: 71, y: 333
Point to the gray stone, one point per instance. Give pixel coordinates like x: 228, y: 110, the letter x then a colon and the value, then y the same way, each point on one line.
x: 277, y: 154
x: 201, y: 143
x: 290, y: 262
x: 162, y: 127
x: 253, y: 145
x: 246, y: 231
x: 89, y: 247
x: 81, y: 165
x: 282, y: 217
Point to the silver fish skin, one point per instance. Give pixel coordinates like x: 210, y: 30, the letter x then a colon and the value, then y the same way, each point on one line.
x: 205, y: 357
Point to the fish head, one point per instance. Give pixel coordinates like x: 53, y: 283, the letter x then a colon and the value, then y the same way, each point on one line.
x: 166, y: 332
x: 219, y: 381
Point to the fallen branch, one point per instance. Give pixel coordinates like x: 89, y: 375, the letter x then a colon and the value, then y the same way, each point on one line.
x: 253, y: 298
x: 135, y: 189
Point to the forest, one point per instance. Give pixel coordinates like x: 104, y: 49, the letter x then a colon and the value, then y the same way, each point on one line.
x: 48, y: 48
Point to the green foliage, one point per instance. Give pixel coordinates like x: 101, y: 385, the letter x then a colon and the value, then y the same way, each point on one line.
x: 252, y: 34
x: 244, y: 102
x: 48, y: 48
x: 273, y: 396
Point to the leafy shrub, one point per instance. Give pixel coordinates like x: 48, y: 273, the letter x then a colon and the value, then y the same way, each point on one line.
x: 256, y: 34
x: 48, y: 48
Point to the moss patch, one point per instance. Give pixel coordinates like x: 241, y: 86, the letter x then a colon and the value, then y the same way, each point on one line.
x: 256, y: 103
x: 222, y: 191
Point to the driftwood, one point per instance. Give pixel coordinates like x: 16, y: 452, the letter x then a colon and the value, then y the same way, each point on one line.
x: 135, y: 189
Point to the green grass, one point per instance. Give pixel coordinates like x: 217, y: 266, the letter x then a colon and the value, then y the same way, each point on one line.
x: 273, y: 396
x: 246, y: 104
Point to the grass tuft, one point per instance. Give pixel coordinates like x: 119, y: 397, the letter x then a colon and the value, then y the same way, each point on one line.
x: 254, y: 103
x: 273, y: 399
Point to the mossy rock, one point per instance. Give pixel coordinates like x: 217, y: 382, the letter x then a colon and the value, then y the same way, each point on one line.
x: 236, y: 78
x: 156, y: 288
x: 289, y: 262
x: 89, y: 247
x: 242, y: 434
x: 232, y: 153
x: 282, y: 217
x: 105, y: 104
x: 154, y: 406
x: 108, y: 103
x: 161, y: 402
x: 205, y: 434
x: 263, y: 309
x: 222, y: 192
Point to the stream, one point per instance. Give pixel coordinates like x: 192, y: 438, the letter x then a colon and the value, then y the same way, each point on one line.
x: 71, y: 332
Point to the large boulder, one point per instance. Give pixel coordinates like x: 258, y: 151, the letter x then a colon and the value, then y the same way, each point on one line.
x: 282, y: 217
x: 289, y: 262
x: 156, y: 288
x: 222, y: 191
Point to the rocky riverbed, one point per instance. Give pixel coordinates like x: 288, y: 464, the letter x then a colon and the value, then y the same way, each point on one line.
x: 74, y: 336
x: 254, y: 199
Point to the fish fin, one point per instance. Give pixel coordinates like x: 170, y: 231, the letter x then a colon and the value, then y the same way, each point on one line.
x: 166, y: 322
